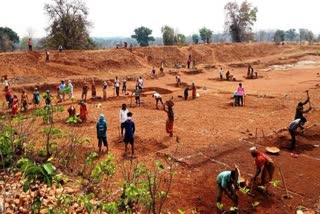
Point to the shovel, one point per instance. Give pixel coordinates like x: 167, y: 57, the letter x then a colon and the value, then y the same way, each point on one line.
x: 286, y: 196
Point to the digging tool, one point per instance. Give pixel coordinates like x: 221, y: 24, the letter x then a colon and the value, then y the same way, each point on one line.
x: 114, y: 88
x: 131, y: 101
x: 286, y: 196
x: 307, y: 91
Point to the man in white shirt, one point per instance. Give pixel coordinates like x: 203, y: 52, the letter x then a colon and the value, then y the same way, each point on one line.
x: 158, y: 98
x: 117, y: 85
x: 123, y: 117
x: 221, y: 73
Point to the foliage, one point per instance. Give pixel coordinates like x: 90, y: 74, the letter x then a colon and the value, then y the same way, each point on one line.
x: 291, y: 34
x: 275, y: 183
x: 180, y: 39
x: 32, y: 173
x: 168, y: 35
x: 8, y: 39
x: 256, y: 203
x: 244, y: 190
x: 219, y: 205
x: 47, y: 112
x: 195, y: 38
x: 73, y: 120
x: 68, y: 24
x: 107, y: 167
x: 279, y: 36
x: 142, y: 35
x: 205, y: 34
x: 239, y: 20
x: 307, y: 35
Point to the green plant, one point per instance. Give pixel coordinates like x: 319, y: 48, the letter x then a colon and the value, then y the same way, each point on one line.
x: 73, y: 120
x: 84, y: 200
x: 275, y: 183
x: 33, y: 173
x: 219, y: 205
x: 244, y: 190
x: 256, y: 203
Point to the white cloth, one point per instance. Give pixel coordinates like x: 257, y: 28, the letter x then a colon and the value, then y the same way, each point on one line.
x: 140, y: 82
x: 123, y: 115
x: 157, y: 95
x: 220, y: 71
x: 117, y: 83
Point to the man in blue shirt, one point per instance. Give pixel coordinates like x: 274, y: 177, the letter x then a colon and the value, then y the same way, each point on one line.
x: 102, y: 132
x: 129, y: 133
x: 227, y: 182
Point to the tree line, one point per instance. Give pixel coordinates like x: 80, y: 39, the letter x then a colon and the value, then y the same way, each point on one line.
x: 69, y: 27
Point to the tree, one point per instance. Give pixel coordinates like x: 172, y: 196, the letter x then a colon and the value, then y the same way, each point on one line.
x: 180, y: 39
x: 306, y: 34
x: 68, y: 24
x: 195, y: 38
x: 168, y: 35
x: 8, y: 39
x: 239, y: 20
x: 291, y: 34
x: 142, y: 36
x: 205, y: 34
x: 279, y: 36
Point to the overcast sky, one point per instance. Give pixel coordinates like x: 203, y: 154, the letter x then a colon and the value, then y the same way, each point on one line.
x: 121, y: 17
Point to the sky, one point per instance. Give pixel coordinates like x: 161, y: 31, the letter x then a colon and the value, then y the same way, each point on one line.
x: 120, y: 17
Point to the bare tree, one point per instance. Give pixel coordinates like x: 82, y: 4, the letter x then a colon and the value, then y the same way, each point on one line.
x: 68, y: 24
x: 239, y: 20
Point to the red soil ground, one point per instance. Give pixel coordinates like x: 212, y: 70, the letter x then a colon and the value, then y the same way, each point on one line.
x: 213, y: 134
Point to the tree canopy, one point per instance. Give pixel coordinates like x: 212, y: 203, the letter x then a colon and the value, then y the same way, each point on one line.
x: 195, y: 38
x: 168, y: 35
x: 279, y: 36
x: 68, y: 24
x: 205, y: 34
x: 8, y: 39
x: 142, y: 35
x: 239, y: 20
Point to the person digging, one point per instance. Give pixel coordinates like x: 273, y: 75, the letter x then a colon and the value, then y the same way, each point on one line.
x: 293, y: 126
x: 158, y: 99
x: 227, y: 182
x: 102, y: 133
x: 137, y: 93
x: 123, y: 117
x: 300, y: 111
x: 265, y: 166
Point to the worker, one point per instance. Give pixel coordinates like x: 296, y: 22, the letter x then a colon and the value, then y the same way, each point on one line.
x: 129, y: 133
x: 117, y: 85
x: 123, y: 117
x: 48, y: 98
x: 228, y: 75
x: 178, y: 81
x: 300, y: 111
x: 186, y: 92
x: 102, y: 132
x: 85, y: 89
x: 227, y: 181
x: 250, y: 70
x: 62, y: 88
x: 83, y: 111
x: 140, y: 82
x: 9, y: 98
x: 124, y: 85
x: 158, y: 99
x: 170, y: 119
x: 24, y: 101
x: 15, y: 105
x: 30, y: 44
x: 153, y: 73
x: 221, y: 73
x: 47, y: 55
x: 240, y: 94
x: 93, y: 89
x: 105, y: 87
x: 71, y: 110
x: 137, y: 93
x: 293, y: 126
x: 194, y: 91
x: 70, y: 86
x: 265, y: 166
x: 36, y: 97
x: 60, y: 48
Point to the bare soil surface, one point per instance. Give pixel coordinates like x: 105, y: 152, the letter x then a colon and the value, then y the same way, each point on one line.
x: 214, y: 135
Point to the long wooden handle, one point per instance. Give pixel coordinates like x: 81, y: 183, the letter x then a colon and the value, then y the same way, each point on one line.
x: 284, y: 183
